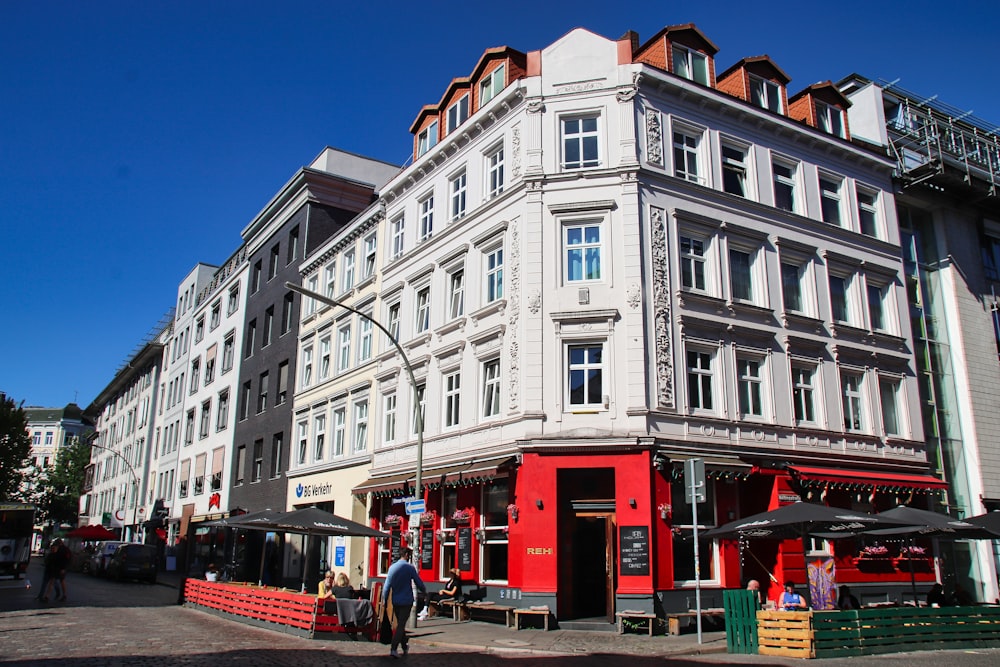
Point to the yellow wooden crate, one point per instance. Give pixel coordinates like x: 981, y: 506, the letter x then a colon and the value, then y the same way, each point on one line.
x: 785, y: 633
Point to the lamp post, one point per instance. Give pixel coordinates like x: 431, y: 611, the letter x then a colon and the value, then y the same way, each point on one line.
x: 135, y: 478
x: 418, y: 409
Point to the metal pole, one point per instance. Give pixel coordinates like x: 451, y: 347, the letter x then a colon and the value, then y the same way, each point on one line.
x: 419, y: 416
x: 697, y: 560
x: 135, y: 478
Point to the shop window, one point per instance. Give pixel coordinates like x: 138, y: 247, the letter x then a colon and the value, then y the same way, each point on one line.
x: 493, y: 528
x: 683, y: 538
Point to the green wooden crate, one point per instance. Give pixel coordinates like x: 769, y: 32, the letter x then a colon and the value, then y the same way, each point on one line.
x: 740, y: 607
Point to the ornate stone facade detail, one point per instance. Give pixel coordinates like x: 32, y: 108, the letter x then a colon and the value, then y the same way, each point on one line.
x: 654, y: 138
x: 514, y: 314
x: 534, y: 302
x: 515, y: 149
x: 661, y: 311
x: 535, y: 105
x: 633, y: 296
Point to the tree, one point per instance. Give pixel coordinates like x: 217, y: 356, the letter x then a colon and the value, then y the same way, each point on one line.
x: 61, y: 485
x: 15, y: 447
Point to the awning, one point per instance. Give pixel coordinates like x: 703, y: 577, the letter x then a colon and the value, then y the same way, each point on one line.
x: 456, y: 474
x: 866, y: 478
x: 716, y: 467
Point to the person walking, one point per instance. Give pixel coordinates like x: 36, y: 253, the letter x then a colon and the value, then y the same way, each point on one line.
x: 398, y: 589
x: 57, y: 561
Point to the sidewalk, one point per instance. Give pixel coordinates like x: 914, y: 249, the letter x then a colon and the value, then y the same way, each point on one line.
x: 494, y: 637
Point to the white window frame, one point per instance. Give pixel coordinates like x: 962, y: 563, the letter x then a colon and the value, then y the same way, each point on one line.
x: 805, y: 393
x: 688, y: 153
x: 389, y: 418
x: 421, y: 404
x: 493, y: 274
x: 427, y: 139
x: 305, y: 377
x: 491, y: 86
x: 347, y: 276
x: 319, y: 438
x: 765, y: 93
x: 748, y: 383
x: 883, y: 302
x: 494, y: 172
x: 360, y: 426
x: 696, y: 263
x: 704, y: 365
x: 365, y: 336
x: 370, y: 246
x: 853, y: 400
x: 456, y: 293
x: 830, y: 119
x: 581, y: 133
x: 426, y: 218
x: 740, y: 168
x: 852, y: 299
x: 324, y: 358
x: 756, y: 273
x: 398, y: 237
x: 309, y: 304
x: 586, y: 367
x: 302, y: 453
x: 343, y: 348
x: 339, y: 430
x: 894, y: 385
x: 233, y: 304
x: 691, y: 64
x: 422, y: 309
x: 457, y: 113
x: 491, y: 388
x: 392, y: 311
x: 789, y: 181
x: 452, y: 400
x: 458, y: 191
x: 869, y: 211
x: 582, y: 248
x: 832, y: 196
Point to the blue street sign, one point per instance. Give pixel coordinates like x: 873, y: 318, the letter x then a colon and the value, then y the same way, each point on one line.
x: 415, y: 506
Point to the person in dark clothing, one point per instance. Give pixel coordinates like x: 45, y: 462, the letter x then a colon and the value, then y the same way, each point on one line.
x: 936, y: 597
x: 57, y: 561
x: 452, y: 591
x: 847, y: 601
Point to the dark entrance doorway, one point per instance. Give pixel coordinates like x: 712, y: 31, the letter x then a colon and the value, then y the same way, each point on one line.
x: 587, y: 547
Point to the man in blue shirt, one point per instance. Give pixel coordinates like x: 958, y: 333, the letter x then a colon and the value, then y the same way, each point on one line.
x: 397, y: 584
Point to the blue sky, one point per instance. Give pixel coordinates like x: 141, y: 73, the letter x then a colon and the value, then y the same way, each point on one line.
x: 139, y: 138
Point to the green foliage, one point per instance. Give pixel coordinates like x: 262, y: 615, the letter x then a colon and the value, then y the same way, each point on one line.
x: 15, y: 447
x: 61, y: 485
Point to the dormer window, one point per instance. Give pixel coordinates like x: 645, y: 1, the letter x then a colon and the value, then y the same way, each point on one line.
x: 830, y: 119
x: 427, y: 139
x: 765, y: 94
x: 458, y: 113
x: 690, y: 64
x: 491, y: 86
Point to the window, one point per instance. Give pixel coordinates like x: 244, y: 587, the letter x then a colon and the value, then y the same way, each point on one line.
x: 765, y: 94
x: 272, y: 266
x: 423, y: 321
x: 830, y: 119
x: 300, y: 455
x: 262, y: 392
x: 686, y: 150
x: 199, y: 329
x: 343, y: 348
x: 265, y: 336
x: 868, y: 219
x: 398, y: 230
x: 427, y: 139
x: 392, y: 320
x: 878, y: 315
x: 348, y: 276
x: 741, y: 274
x: 241, y: 460
x: 360, y: 426
x: 245, y: 401
x: 222, y: 417
x: 421, y: 405
x: 319, y: 436
x: 458, y: 113
x: 853, y: 415
x: 842, y: 300
x: 310, y: 304
x: 216, y: 316
x: 583, y: 252
x: 307, y: 366
x: 791, y: 285
x: 693, y: 264
x: 195, y: 375
x: 494, y: 275
x: 370, y: 248
x: 228, y: 351
x: 494, y: 551
x: 339, y: 431
x: 282, y: 394
x: 491, y: 85
x: 750, y: 384
x: 699, y: 375
x: 494, y: 173
x: 389, y: 418
x: 585, y: 380
x: 324, y: 358
x: 287, y: 308
x: 491, y: 388
x: 293, y: 245
x: 426, y: 207
x: 734, y: 170
x: 206, y: 419
x: 277, y: 447
x: 803, y: 394
x: 330, y: 279
x: 234, y: 300
x: 580, y: 143
x: 258, y: 461
x: 889, y: 393
x: 189, y: 427
x: 690, y: 64
x: 830, y: 199
x: 785, y: 185
x: 255, y: 278
x: 457, y: 188
x: 209, y: 370
x: 456, y: 293
x: 365, y: 328
x: 682, y: 522
x: 452, y: 399
x: 251, y: 338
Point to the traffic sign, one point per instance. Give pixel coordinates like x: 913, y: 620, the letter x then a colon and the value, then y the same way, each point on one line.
x: 415, y: 506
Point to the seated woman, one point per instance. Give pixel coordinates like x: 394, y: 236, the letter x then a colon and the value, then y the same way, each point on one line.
x: 325, y: 593
x: 342, y: 588
x: 452, y: 591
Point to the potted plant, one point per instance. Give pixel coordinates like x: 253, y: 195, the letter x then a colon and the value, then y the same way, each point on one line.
x: 512, y: 510
x: 392, y: 520
x: 427, y: 518
x: 481, y: 534
x: 461, y: 517
x: 665, y: 510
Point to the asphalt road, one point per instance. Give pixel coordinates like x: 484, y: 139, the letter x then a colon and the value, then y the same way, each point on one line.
x: 130, y: 623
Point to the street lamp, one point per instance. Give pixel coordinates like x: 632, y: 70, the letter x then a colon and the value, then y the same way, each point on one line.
x: 135, y: 479
x: 418, y: 408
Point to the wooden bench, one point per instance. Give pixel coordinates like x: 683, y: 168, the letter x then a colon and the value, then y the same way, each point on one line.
x: 470, y: 607
x: 636, y: 616
x: 679, y: 619
x: 531, y: 611
x: 458, y: 611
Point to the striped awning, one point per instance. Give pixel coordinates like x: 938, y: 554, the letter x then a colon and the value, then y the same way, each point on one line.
x: 455, y: 474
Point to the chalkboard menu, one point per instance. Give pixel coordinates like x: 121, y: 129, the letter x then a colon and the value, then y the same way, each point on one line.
x: 633, y: 547
x: 426, y: 548
x: 394, y: 537
x: 464, y: 549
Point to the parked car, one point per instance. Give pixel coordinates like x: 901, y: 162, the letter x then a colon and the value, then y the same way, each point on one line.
x: 97, y: 564
x: 133, y: 561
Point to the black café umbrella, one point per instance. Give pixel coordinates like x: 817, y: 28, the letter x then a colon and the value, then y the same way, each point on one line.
x: 990, y: 521
x: 240, y: 521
